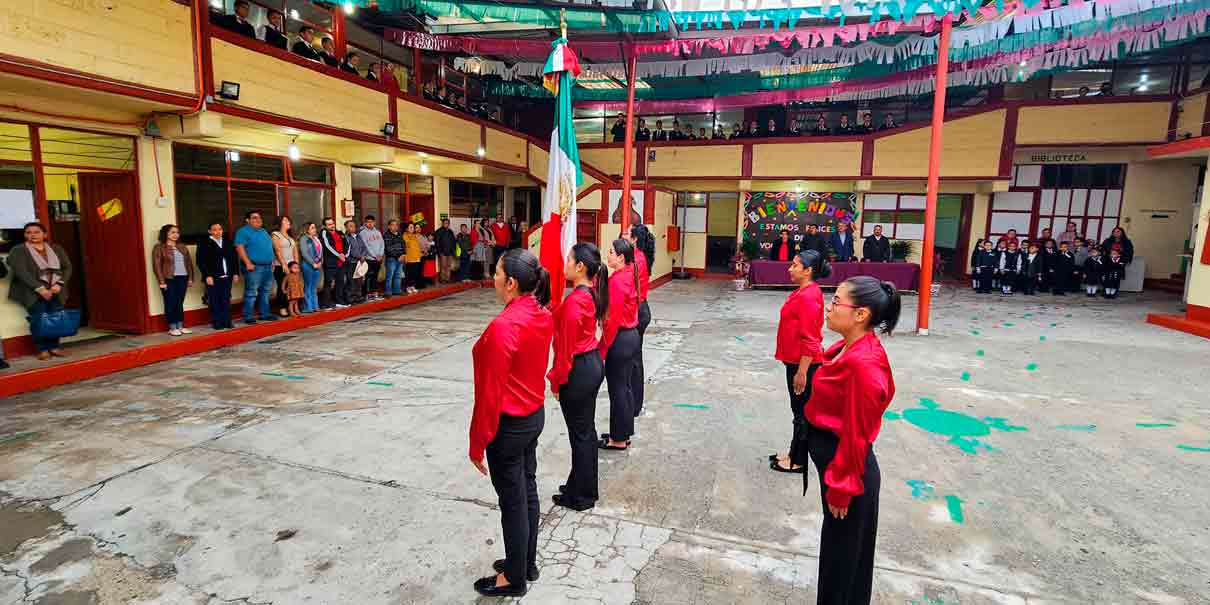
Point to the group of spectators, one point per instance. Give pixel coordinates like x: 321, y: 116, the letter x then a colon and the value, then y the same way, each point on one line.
x: 456, y: 100
x: 801, y: 126
x: 1047, y: 265
x: 838, y: 246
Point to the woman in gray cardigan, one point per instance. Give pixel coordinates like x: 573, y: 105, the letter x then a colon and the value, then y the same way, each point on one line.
x: 41, y: 271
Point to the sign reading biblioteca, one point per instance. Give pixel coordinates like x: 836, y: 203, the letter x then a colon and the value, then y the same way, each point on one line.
x: 766, y: 213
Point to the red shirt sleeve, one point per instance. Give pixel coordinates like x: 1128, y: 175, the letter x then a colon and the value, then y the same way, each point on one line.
x: 644, y: 275
x: 810, y: 325
x: 865, y: 392
x: 493, y: 359
x: 613, y: 321
x: 566, y: 330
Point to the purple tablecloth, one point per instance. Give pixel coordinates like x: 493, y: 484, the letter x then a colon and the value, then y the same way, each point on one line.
x: 905, y: 276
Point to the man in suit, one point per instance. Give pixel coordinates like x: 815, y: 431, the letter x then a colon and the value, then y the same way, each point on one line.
x: 877, y: 249
x: 273, y: 33
x: 660, y: 134
x: 642, y: 133
x: 238, y: 22
x: 619, y: 129
x: 841, y: 243
x: 304, y: 47
x: 352, y: 64
x: 327, y: 52
x: 219, y: 265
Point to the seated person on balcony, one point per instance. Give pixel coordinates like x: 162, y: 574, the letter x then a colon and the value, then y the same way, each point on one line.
x: 675, y: 133
x: 442, y: 96
x: 372, y: 72
x: 659, y: 134
x: 351, y: 64
x: 845, y: 126
x: 304, y: 47
x: 718, y: 132
x: 701, y: 134
x: 642, y: 133
x: 867, y: 123
x: 687, y: 134
x: 238, y: 22
x: 272, y: 32
x: 753, y: 131
x: 888, y: 122
x: 1106, y: 89
x: 328, y: 52
x: 771, y: 130
x: 618, y: 132
x: 821, y: 127
x: 430, y: 91
x: 795, y: 128
x: 736, y: 132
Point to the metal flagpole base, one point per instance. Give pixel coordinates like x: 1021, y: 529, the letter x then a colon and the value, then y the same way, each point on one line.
x: 682, y: 275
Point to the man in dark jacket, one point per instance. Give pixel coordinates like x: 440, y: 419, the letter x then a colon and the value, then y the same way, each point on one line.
x: 445, y: 243
x: 304, y: 47
x: 219, y: 265
x: 811, y: 240
x: 841, y: 243
x: 336, y: 250
x: 274, y: 32
x: 877, y: 249
x: 238, y: 22
x: 618, y: 132
x: 464, y: 259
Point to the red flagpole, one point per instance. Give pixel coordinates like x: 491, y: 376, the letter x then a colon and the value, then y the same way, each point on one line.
x: 628, y: 146
x: 930, y: 209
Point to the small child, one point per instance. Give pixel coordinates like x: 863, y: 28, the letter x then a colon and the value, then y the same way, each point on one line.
x: 1001, y: 249
x: 1115, y: 270
x: 1065, y: 263
x: 1081, y: 254
x: 975, y: 263
x: 1048, y: 265
x: 1033, y: 271
x: 1011, y: 264
x: 1094, y: 269
x: 986, y: 263
x: 293, y: 287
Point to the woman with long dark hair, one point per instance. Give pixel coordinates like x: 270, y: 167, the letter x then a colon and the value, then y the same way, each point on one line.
x: 851, y: 391
x: 173, y: 269
x: 620, y: 344
x: 576, y: 375
x: 799, y: 334
x: 644, y: 255
x: 41, y: 271
x: 1117, y: 240
x: 285, y: 251
x: 510, y: 371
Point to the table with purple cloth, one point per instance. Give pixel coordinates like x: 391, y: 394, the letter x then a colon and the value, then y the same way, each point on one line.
x: 905, y: 276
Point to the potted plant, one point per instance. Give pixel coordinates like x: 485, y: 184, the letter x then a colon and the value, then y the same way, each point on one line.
x: 900, y: 250
x: 748, y: 250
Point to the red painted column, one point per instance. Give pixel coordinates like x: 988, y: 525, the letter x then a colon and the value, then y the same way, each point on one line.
x: 930, y: 209
x: 628, y: 146
x: 418, y: 71
x: 339, y: 41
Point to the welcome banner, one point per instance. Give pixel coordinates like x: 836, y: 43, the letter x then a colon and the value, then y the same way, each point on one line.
x: 767, y: 213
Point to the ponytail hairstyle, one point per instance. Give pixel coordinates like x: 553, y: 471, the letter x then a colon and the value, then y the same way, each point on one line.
x: 644, y: 241
x: 590, y: 256
x: 813, y: 260
x: 523, y: 267
x: 880, y: 297
x: 622, y: 248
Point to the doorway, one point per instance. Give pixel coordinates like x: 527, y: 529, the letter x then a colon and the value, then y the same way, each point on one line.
x: 722, y: 221
x: 952, y: 243
x: 115, y: 286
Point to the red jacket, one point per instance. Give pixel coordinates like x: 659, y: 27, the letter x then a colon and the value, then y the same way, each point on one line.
x: 510, y: 367
x: 575, y: 333
x: 623, y: 306
x: 640, y: 263
x: 848, y: 396
x: 800, y: 329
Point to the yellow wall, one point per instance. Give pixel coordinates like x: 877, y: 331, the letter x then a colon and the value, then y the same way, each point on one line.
x: 969, y: 147
x: 695, y: 251
x: 811, y: 160
x: 1199, y: 281
x: 664, y: 206
x: 147, y: 42
x: 275, y: 86
x: 608, y: 161
x: 1193, y: 110
x: 978, y: 222
x: 677, y: 161
x: 504, y: 147
x: 1093, y: 123
x: 538, y: 159
x: 1164, y: 188
x: 432, y: 128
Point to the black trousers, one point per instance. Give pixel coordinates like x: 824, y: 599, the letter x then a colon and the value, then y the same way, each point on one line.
x: 334, y: 284
x: 218, y: 298
x: 798, y: 455
x: 578, y: 399
x: 412, y: 273
x: 846, y: 546
x: 279, y: 299
x: 512, y: 462
x: 984, y: 279
x: 619, y: 369
x: 372, y: 277
x: 638, y: 379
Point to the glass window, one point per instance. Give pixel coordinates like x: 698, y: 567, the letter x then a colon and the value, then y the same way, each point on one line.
x: 420, y: 184
x: 394, y: 181
x: 311, y: 172
x: 309, y: 13
x: 1079, y: 83
x: 246, y: 197
x: 365, y: 178
x: 199, y: 204
x: 365, y: 202
x: 17, y: 176
x: 205, y: 161
x: 309, y: 204
x: 76, y: 148
x: 14, y: 142
x: 258, y: 167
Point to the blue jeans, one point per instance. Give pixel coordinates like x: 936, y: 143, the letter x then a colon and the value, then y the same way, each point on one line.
x: 394, y: 284
x: 40, y: 308
x: 174, y: 301
x: 257, y: 285
x: 311, y: 279
x: 464, y: 267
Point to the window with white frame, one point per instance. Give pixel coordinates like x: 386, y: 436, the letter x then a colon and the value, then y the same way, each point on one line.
x: 1049, y: 196
x: 901, y: 215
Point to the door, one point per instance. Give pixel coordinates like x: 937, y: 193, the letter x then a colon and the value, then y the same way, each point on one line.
x: 586, y: 226
x: 115, y: 282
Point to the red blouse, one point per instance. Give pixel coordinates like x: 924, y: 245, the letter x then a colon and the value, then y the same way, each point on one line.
x: 623, y: 306
x: 640, y: 263
x: 849, y: 394
x: 575, y: 333
x: 510, y: 364
x: 783, y: 252
x: 800, y: 330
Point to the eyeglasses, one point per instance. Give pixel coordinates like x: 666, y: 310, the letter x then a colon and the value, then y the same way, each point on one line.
x: 836, y: 302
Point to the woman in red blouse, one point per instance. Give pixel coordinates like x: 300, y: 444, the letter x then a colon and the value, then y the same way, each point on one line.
x: 510, y: 367
x: 799, y: 334
x: 620, y: 344
x: 783, y: 249
x: 577, y: 373
x: 643, y: 241
x: 851, y: 390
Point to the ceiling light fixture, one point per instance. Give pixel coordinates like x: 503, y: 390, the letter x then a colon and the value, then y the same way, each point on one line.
x: 424, y: 167
x: 233, y: 155
x: 349, y: 8
x: 480, y: 151
x: 293, y: 150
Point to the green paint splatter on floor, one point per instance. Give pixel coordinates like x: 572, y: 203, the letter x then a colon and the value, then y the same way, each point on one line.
x: 1083, y: 428
x: 921, y: 490
x: 979, y: 353
x: 739, y: 338
x: 1009, y: 324
x: 691, y: 406
x: 1028, y: 315
x: 963, y: 430
x: 892, y: 416
x: 169, y: 391
x: 966, y: 376
x: 295, y: 377
x: 278, y: 374
x: 954, y: 504
x: 974, y: 332
x: 1055, y: 325
x: 1154, y: 425
x: 1068, y: 315
x: 381, y: 384
x: 1031, y: 367
x: 1001, y: 424
x: 1041, y: 339
x: 17, y: 437
x: 1192, y: 448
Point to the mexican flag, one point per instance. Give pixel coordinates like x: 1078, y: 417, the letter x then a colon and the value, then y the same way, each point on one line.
x: 563, y: 176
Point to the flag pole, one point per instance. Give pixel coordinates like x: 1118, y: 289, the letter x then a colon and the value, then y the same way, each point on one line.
x: 628, y: 145
x: 930, y: 207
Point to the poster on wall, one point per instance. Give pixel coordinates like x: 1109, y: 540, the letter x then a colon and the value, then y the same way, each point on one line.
x: 638, y: 204
x: 766, y: 213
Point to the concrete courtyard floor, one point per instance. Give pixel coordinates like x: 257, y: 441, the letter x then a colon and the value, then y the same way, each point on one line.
x: 1039, y: 450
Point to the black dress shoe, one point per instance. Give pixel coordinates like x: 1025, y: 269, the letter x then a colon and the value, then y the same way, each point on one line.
x: 562, y: 488
x: 487, y: 587
x: 566, y: 502
x: 530, y: 576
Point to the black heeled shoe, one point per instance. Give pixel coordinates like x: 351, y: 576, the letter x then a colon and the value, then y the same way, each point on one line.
x: 487, y: 587
x: 530, y: 576
x: 566, y: 502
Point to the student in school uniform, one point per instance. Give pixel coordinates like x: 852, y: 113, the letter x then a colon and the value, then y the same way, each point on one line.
x: 1080, y: 254
x: 1049, y: 258
x: 1001, y: 249
x: 1032, y: 272
x: 1094, y: 270
x: 620, y: 344
x: 799, y: 348
x: 850, y: 392
x: 1065, y: 265
x: 975, y: 250
x: 643, y: 241
x: 578, y: 371
x: 1115, y: 270
x: 1011, y: 264
x: 986, y: 263
x: 510, y: 386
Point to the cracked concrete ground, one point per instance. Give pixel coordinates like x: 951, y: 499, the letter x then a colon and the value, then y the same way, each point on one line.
x: 1038, y: 450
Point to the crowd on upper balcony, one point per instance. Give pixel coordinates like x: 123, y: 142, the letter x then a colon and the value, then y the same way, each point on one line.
x: 801, y: 126
x: 456, y: 100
